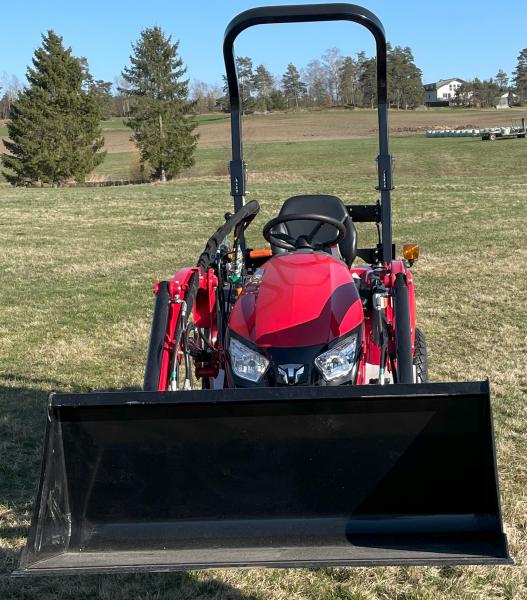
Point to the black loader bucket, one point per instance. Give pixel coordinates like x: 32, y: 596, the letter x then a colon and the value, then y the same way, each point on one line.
x: 277, y: 477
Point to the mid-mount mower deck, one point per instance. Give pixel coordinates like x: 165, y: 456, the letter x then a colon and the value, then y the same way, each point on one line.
x: 315, y: 440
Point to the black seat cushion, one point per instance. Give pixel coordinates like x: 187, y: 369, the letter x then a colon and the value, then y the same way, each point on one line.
x: 325, y: 205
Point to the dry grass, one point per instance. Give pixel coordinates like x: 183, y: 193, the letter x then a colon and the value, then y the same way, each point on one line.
x: 77, y: 271
x: 348, y: 124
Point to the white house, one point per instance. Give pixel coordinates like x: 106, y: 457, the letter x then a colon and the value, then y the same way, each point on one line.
x: 443, y: 92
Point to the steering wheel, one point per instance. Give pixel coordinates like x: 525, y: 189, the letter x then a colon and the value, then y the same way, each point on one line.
x: 288, y: 242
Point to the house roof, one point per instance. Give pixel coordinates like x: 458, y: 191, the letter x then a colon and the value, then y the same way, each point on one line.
x: 441, y: 83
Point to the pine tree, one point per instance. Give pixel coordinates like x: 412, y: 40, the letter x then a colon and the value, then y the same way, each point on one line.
x: 405, y: 86
x: 485, y: 94
x: 359, y: 76
x: 520, y: 76
x: 244, y: 69
x: 368, y: 82
x: 263, y: 84
x: 277, y: 100
x: 54, y: 127
x: 294, y: 88
x: 502, y: 80
x: 348, y: 81
x: 161, y: 115
x: 245, y: 74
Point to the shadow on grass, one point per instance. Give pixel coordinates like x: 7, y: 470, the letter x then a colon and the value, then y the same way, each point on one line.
x: 167, y: 586
x: 22, y: 427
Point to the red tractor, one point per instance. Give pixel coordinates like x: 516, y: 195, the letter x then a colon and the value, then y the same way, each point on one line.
x: 298, y: 313
x: 315, y: 440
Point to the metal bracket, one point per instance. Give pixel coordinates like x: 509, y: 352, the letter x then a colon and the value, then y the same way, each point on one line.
x: 384, y: 171
x: 238, y: 172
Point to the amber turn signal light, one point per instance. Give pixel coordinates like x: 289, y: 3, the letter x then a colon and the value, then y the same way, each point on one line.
x: 411, y: 251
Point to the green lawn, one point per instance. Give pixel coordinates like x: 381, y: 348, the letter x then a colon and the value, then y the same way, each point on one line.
x: 113, y: 123
x: 415, y: 157
x: 117, y: 165
x: 212, y: 117
x: 76, y: 291
x: 118, y: 122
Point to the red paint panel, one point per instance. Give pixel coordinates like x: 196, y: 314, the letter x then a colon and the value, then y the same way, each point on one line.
x: 302, y: 300
x: 177, y: 288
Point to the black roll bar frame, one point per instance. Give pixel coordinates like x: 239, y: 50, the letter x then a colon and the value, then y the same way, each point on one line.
x: 307, y: 13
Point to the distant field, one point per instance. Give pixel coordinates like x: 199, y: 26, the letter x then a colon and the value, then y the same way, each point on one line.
x: 76, y: 298
x: 322, y: 125
x: 315, y: 125
x: 341, y: 123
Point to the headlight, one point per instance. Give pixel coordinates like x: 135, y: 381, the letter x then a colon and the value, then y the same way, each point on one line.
x: 246, y: 363
x: 339, y: 361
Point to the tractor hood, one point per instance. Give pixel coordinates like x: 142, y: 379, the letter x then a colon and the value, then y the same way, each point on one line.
x: 297, y: 300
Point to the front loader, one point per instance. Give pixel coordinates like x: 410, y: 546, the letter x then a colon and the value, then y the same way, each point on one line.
x: 286, y: 418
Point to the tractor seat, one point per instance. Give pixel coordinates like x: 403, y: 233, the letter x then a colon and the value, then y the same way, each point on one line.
x: 319, y: 204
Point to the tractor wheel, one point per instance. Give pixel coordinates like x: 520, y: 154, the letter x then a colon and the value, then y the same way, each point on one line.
x: 420, y: 357
x: 157, y: 337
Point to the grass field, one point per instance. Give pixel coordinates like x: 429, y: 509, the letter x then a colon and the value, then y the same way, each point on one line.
x: 301, y: 126
x: 75, y: 291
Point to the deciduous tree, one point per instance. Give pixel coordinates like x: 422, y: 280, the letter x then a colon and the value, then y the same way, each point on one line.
x: 317, y: 87
x: 205, y: 96
x: 332, y: 63
x: 10, y: 87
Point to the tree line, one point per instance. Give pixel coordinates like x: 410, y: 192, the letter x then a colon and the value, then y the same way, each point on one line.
x: 332, y: 80
x: 486, y: 93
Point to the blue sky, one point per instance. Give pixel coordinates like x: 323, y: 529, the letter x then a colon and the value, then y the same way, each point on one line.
x: 449, y: 38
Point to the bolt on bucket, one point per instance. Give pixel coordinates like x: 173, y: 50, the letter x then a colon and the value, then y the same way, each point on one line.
x: 277, y: 477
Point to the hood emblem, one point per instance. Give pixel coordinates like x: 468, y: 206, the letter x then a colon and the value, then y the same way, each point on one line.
x: 290, y: 374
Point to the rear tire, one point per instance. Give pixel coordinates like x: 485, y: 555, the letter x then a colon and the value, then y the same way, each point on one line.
x: 157, y: 338
x: 420, y: 360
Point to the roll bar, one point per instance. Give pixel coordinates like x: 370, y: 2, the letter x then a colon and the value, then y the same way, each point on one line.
x: 306, y: 13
